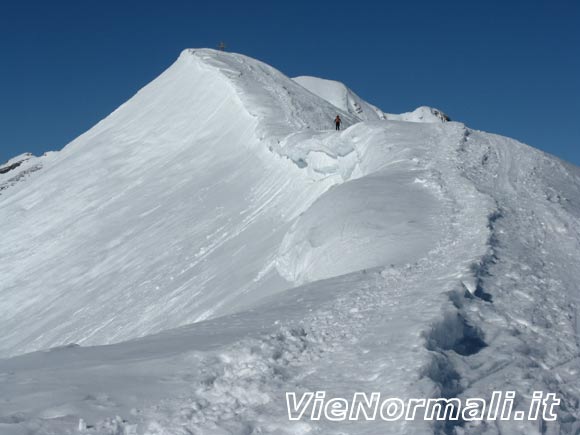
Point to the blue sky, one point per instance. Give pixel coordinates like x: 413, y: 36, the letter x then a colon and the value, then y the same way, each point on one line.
x: 508, y: 67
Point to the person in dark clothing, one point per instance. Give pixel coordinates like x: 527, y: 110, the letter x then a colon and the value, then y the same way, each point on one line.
x: 337, y: 122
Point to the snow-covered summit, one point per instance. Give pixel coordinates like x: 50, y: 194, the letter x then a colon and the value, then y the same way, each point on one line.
x: 153, y: 190
x: 214, y: 243
x: 281, y: 105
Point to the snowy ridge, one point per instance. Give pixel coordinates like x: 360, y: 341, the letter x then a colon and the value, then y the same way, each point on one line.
x: 421, y: 114
x: 145, y: 187
x: 417, y: 259
x: 281, y: 105
x: 139, y: 191
x: 342, y: 97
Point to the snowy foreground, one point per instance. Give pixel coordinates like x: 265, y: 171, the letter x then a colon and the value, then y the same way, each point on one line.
x: 214, y: 244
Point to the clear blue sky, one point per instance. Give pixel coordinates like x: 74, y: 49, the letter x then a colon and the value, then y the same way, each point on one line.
x: 508, y: 67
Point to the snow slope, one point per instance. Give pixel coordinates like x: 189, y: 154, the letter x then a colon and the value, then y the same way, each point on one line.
x: 420, y: 114
x: 137, y: 218
x: 234, y: 249
x: 340, y: 96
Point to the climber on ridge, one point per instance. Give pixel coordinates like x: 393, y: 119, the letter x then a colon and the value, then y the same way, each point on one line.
x: 337, y: 122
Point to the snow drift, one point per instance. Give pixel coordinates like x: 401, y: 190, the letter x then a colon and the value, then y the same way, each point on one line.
x: 214, y: 243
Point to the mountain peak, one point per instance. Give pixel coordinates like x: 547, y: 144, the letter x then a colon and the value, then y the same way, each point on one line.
x: 280, y: 105
x: 217, y: 231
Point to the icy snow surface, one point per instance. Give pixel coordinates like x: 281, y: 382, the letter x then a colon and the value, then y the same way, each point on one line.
x: 214, y: 243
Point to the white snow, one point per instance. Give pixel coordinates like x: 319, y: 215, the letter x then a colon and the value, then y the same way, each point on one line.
x: 134, y: 222
x: 340, y: 96
x: 214, y: 243
x: 420, y: 114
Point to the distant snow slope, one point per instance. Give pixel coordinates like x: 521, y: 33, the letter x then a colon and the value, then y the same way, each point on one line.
x: 340, y: 96
x: 345, y: 99
x: 420, y: 114
x: 417, y: 259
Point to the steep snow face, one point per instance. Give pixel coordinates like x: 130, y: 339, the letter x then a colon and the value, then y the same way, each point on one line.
x: 281, y: 105
x: 341, y: 97
x: 174, y: 206
x: 162, y: 214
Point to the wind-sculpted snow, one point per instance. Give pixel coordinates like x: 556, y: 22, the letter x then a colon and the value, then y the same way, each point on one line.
x: 156, y: 217
x: 420, y: 114
x: 384, y: 218
x: 342, y: 97
x: 281, y: 105
x: 234, y: 247
x: 174, y: 206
